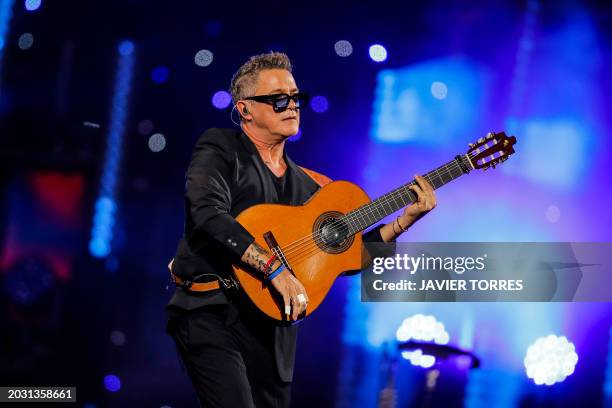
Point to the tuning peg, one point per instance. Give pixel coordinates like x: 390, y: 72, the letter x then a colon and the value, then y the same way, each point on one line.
x: 489, y: 135
x: 481, y: 140
x: 471, y: 145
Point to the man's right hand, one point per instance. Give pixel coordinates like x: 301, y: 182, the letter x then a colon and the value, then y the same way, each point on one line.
x: 288, y: 286
x: 293, y: 293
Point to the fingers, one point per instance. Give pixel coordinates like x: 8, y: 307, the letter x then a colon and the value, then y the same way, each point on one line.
x: 423, y: 183
x: 425, y: 192
x: 419, y: 193
x: 287, y: 302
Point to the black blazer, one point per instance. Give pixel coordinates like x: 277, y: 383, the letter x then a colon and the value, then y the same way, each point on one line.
x: 227, y: 175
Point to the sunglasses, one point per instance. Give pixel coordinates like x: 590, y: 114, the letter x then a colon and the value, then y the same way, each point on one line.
x: 280, y: 102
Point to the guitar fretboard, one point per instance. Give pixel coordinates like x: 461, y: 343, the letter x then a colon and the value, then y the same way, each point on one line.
x: 369, y: 214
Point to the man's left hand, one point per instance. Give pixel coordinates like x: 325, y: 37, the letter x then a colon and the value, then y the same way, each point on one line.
x: 426, y: 199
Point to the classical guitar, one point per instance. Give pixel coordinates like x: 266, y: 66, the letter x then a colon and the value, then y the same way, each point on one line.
x: 320, y: 240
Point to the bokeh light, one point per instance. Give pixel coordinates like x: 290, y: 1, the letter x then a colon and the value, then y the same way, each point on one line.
x: 550, y: 360
x: 126, y: 48
x: 439, y: 90
x: 145, y: 127
x: 203, y: 58
x: 112, y: 383
x: 32, y: 5
x: 319, y: 104
x: 221, y: 99
x: 26, y: 40
x: 160, y: 74
x: 378, y: 53
x: 157, y: 142
x: 343, y: 48
x: 117, y: 338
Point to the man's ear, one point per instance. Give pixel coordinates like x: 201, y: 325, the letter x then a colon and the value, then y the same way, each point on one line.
x: 243, y: 110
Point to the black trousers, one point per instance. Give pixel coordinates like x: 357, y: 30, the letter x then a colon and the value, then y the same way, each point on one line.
x: 229, y: 356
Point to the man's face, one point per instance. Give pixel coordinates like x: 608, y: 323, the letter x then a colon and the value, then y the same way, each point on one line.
x: 275, y: 81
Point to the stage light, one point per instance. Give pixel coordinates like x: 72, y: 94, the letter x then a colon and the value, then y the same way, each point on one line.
x: 126, y: 48
x: 343, y: 48
x: 160, y: 74
x: 378, y: 53
x: 32, y: 5
x: 112, y: 383
x: 26, y: 41
x: 117, y: 338
x: 422, y: 328
x: 439, y: 90
x: 145, y: 127
x: 319, y: 104
x: 203, y: 58
x: 550, y: 360
x: 221, y: 99
x: 157, y: 142
x: 104, y: 213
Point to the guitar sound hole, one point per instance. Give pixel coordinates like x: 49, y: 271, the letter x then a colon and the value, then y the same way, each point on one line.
x: 332, y: 233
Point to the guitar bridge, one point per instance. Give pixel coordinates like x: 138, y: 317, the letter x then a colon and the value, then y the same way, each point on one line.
x: 276, y: 249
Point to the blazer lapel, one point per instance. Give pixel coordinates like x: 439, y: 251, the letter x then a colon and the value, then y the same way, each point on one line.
x: 264, y: 177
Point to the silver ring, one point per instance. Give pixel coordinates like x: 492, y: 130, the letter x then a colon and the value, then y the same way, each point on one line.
x: 301, y: 298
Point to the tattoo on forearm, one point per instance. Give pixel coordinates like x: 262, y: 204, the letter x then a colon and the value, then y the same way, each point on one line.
x: 256, y: 256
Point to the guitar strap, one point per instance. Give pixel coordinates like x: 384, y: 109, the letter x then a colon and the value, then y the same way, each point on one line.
x: 321, y: 179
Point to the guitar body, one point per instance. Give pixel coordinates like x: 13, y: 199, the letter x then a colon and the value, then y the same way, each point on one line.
x: 295, y: 228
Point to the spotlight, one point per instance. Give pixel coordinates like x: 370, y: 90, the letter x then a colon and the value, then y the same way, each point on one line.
x: 203, y: 58
x: 425, y: 329
x: 221, y: 99
x: 378, y: 53
x: 550, y: 360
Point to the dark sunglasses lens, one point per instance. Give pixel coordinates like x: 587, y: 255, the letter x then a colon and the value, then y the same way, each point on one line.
x: 281, y: 103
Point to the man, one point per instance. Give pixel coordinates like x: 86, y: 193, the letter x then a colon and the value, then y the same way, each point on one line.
x: 234, y: 355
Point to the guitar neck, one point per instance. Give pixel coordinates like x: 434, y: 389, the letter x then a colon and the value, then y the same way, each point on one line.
x: 369, y: 214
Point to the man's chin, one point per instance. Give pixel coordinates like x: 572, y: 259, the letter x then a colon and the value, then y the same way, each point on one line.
x: 289, y: 131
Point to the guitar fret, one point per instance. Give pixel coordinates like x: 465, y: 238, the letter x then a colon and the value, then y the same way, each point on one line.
x: 368, y: 214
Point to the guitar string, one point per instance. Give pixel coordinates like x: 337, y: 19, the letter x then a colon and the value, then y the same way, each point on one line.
x: 454, y: 165
x: 291, y: 249
x: 306, y: 250
x: 380, y: 203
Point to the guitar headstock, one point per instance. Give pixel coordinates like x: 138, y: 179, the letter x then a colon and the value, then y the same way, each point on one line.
x: 491, y: 150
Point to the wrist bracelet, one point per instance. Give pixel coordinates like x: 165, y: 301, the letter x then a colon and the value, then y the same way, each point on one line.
x: 275, y: 273
x: 266, y: 270
x: 400, y: 225
x: 393, y: 227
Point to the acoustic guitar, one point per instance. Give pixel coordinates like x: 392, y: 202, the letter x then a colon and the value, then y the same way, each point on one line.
x: 321, y: 240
